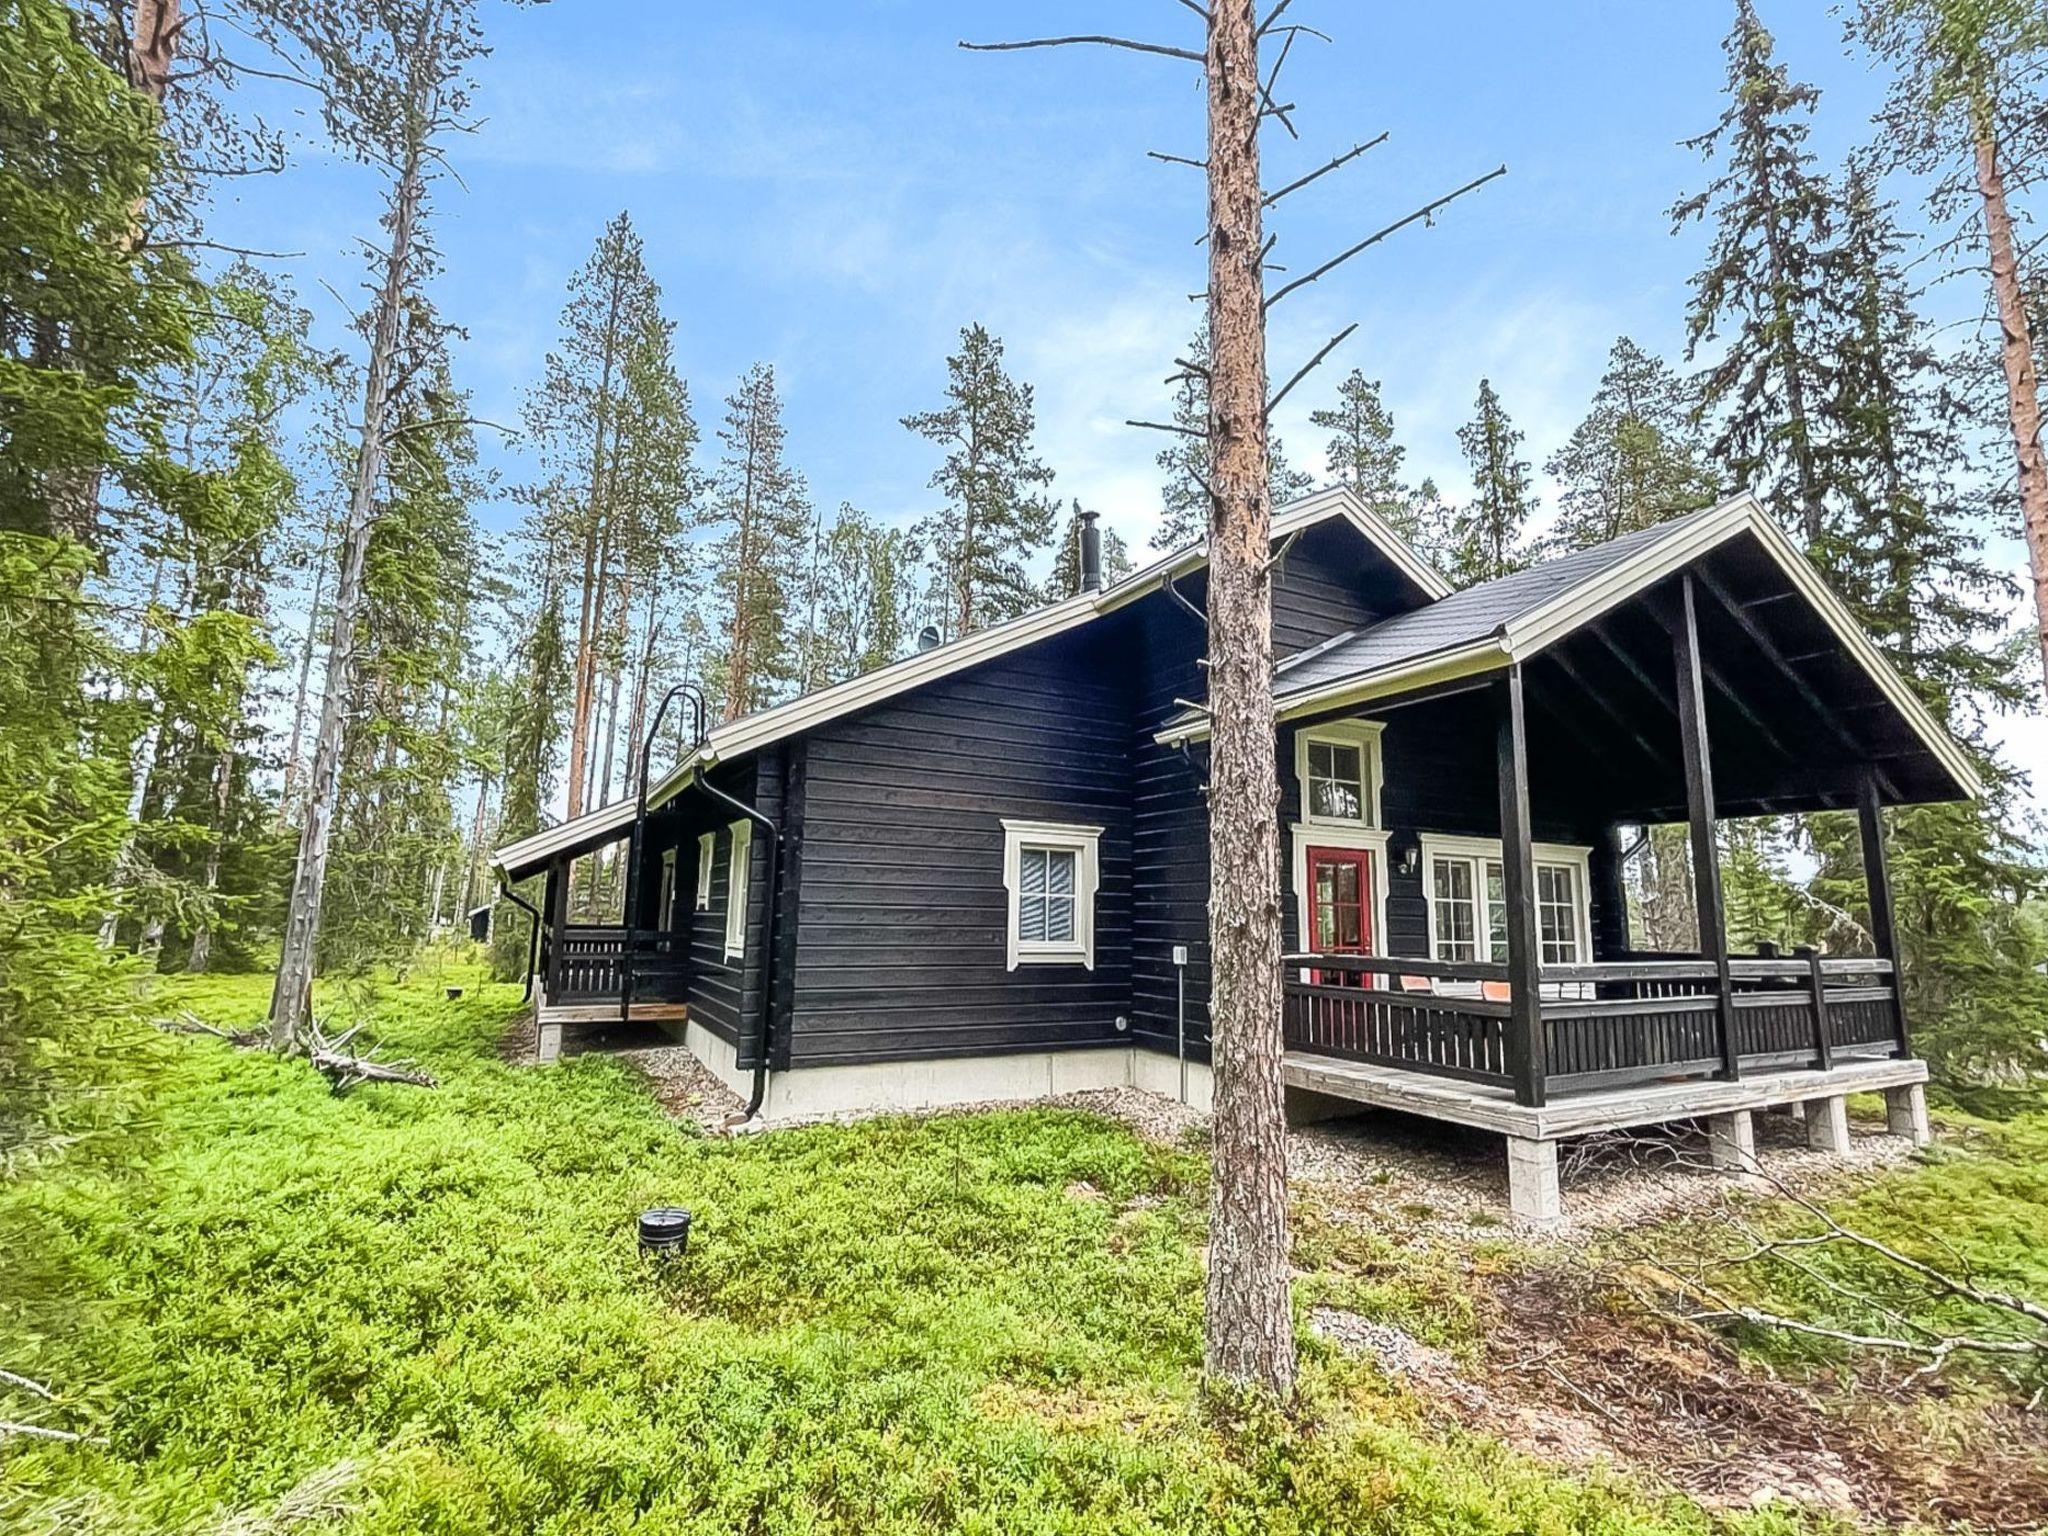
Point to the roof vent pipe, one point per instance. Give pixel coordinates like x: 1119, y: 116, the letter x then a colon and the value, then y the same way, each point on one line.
x: 928, y: 638
x: 1091, y: 554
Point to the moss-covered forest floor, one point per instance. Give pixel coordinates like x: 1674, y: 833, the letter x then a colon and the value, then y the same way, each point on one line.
x: 407, y: 1309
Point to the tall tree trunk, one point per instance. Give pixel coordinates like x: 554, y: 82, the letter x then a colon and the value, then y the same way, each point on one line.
x: 291, y: 755
x: 223, y: 785
x: 1250, y: 1332
x: 292, y: 997
x: 739, y: 653
x: 2022, y: 382
x: 479, y: 830
x: 643, y: 673
x: 596, y: 516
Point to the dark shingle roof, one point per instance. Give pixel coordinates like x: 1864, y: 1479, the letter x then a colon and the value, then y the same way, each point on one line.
x: 1463, y: 618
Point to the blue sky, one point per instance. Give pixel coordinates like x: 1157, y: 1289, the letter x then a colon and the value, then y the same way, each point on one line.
x: 837, y: 189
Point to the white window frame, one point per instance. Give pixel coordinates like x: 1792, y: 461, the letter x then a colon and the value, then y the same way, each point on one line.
x: 1480, y: 851
x: 739, y: 857
x: 1365, y: 736
x: 706, y: 854
x: 666, y: 909
x: 1084, y: 844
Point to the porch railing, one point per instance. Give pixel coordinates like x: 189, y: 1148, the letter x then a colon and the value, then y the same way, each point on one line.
x: 586, y: 963
x: 1603, y: 1025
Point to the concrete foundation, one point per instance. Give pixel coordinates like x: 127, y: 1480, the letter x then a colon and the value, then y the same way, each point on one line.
x: 1827, y: 1124
x: 1905, y: 1113
x: 1533, y: 1193
x: 1731, y: 1140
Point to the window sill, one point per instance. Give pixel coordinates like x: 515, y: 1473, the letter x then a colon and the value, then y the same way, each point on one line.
x: 1054, y: 957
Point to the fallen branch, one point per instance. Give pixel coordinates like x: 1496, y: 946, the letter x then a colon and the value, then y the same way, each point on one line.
x: 346, y: 1067
x: 39, y: 1432
x: 26, y: 1385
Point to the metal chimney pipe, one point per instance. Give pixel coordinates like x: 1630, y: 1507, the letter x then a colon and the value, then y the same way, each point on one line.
x: 1091, y: 554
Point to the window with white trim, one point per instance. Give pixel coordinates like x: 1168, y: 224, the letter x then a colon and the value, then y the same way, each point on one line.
x: 1467, y: 899
x: 706, y: 846
x: 1338, y: 766
x: 1050, y: 870
x: 737, y: 863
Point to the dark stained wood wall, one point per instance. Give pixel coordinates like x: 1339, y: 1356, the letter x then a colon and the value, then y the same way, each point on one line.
x: 901, y: 947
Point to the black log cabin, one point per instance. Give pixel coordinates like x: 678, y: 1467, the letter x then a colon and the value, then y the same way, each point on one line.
x: 982, y: 872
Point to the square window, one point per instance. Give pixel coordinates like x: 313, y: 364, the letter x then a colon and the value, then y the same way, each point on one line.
x: 1338, y: 769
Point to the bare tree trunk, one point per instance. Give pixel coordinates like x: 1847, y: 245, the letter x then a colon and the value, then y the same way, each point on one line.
x: 636, y: 720
x: 2022, y: 382
x: 291, y: 755
x: 291, y: 998
x: 596, y: 515
x: 479, y: 829
x: 1250, y: 1333
x: 223, y: 784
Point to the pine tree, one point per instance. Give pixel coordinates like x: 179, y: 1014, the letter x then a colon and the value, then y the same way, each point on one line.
x: 1486, y: 536
x: 763, y: 508
x: 1634, y: 460
x: 1183, y: 497
x: 865, y: 602
x: 1066, y: 565
x: 1765, y: 292
x: 994, y: 522
x: 1968, y: 113
x: 1361, y: 453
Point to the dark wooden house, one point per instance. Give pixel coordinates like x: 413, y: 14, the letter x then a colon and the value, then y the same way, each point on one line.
x: 982, y: 872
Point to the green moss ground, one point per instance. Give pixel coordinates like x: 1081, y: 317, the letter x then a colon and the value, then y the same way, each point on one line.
x: 433, y: 1298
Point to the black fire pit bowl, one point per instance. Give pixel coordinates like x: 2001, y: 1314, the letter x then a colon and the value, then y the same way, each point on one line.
x: 665, y: 1230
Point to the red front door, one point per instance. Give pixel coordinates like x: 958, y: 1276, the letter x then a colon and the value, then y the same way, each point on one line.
x: 1340, y: 906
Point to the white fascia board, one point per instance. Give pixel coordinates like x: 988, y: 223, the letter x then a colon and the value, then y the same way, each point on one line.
x: 752, y: 732
x: 1743, y: 514
x: 567, y: 834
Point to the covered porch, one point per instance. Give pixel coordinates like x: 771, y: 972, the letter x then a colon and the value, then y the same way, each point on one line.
x: 1695, y: 672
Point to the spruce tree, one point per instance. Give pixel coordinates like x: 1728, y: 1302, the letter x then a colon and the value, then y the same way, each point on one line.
x: 1634, y: 460
x: 1361, y: 453
x: 762, y: 509
x: 866, y: 600
x: 1486, y: 538
x: 1764, y: 295
x: 995, y: 519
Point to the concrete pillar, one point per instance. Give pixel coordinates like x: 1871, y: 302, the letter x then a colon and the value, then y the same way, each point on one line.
x: 1905, y: 1113
x: 549, y: 1042
x: 1532, y: 1183
x: 1827, y: 1124
x: 1731, y: 1139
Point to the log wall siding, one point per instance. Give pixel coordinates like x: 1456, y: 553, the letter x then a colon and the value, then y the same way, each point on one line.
x: 901, y: 943
x: 725, y: 995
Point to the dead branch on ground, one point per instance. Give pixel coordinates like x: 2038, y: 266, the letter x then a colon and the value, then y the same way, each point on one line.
x: 346, y: 1067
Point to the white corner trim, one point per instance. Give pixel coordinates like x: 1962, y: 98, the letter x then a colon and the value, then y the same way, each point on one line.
x: 705, y: 854
x: 1456, y: 847
x: 1362, y: 734
x: 1343, y: 835
x: 1084, y: 843
x: 739, y: 862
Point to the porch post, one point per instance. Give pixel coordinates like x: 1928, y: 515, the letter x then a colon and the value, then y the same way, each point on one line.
x: 1699, y: 801
x: 1525, y: 1047
x: 557, y: 903
x: 1883, y: 933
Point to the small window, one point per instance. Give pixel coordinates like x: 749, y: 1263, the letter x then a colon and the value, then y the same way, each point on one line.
x: 1338, y: 766
x: 705, y: 847
x: 736, y: 889
x: 665, y: 907
x: 1557, y: 915
x: 1050, y: 870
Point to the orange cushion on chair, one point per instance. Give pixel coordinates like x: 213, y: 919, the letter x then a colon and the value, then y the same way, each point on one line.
x: 1417, y: 984
x: 1495, y: 991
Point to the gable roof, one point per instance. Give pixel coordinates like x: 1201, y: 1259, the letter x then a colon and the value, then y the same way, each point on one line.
x: 1485, y: 628
x: 765, y: 727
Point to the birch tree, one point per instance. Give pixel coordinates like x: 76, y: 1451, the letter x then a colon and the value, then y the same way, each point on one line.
x: 1249, y: 1318
x: 393, y: 78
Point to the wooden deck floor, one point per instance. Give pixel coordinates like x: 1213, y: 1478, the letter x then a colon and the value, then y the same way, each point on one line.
x: 1582, y: 1114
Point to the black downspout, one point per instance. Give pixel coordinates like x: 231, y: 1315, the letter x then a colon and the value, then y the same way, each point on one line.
x: 533, y: 941
x: 761, y: 1036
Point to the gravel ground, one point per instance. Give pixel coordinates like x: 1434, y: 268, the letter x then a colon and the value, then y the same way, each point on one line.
x: 1392, y: 1170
